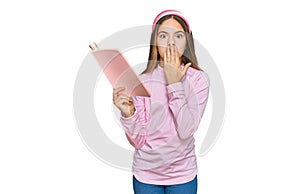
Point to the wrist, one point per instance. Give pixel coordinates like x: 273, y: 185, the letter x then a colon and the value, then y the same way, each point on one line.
x: 173, y: 82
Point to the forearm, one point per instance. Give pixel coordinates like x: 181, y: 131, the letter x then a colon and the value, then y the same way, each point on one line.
x: 135, y: 126
x: 187, y: 108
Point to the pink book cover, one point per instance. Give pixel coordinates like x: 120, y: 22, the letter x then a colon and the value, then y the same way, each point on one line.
x: 119, y: 73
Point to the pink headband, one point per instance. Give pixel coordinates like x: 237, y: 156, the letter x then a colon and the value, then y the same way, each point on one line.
x: 170, y: 12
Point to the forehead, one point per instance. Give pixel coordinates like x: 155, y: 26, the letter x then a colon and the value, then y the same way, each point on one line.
x: 170, y: 25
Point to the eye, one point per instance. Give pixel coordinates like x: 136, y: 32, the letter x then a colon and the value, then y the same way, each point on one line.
x: 162, y: 36
x: 179, y: 35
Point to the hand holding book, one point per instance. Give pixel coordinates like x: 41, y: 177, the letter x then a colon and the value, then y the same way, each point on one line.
x: 123, y: 102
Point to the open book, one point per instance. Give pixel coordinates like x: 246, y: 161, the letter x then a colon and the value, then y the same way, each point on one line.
x: 119, y: 73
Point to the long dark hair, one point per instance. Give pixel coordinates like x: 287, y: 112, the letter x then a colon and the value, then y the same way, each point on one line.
x: 188, y: 56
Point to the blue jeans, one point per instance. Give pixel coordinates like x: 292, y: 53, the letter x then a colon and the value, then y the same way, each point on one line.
x: 185, y: 188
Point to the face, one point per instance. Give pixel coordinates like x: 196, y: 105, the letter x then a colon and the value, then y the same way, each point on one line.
x: 170, y: 32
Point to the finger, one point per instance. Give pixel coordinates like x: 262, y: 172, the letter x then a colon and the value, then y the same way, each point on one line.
x: 168, y: 54
x: 186, y: 68
x: 123, y: 96
x: 165, y: 58
x: 172, y: 54
x: 118, y: 90
x: 122, y: 101
x: 177, y: 57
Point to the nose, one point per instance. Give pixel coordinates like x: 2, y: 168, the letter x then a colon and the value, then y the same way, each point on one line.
x: 171, y: 41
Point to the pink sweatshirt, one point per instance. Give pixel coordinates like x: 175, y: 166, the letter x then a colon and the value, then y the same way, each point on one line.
x: 162, y: 127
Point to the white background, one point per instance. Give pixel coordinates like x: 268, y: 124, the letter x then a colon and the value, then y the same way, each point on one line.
x: 254, y: 43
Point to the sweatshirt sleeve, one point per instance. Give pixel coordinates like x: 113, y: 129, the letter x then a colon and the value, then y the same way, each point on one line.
x: 188, y: 105
x: 135, y: 127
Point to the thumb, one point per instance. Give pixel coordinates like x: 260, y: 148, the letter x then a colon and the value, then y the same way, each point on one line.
x: 186, y: 67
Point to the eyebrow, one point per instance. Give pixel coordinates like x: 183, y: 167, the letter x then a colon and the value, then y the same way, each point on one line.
x: 168, y: 33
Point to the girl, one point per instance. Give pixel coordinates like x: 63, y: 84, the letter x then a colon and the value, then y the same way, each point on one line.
x: 161, y: 127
